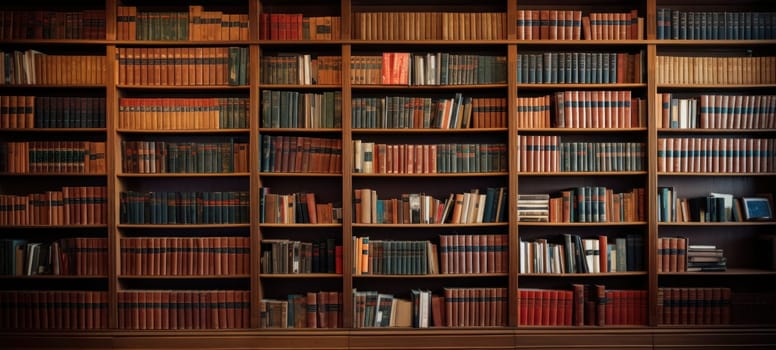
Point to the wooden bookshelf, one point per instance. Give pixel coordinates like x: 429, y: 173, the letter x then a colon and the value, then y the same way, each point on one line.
x: 499, y: 30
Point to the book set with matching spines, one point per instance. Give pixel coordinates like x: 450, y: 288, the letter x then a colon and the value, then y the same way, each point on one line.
x: 582, y: 305
x: 33, y: 67
x: 300, y: 154
x: 572, y: 25
x: 41, y: 112
x: 72, y: 205
x: 429, y: 26
x: 54, y: 309
x: 195, y: 113
x: 378, y: 158
x: 415, y: 112
x: 306, y: 110
x: 162, y: 157
x: 182, y: 66
x: 580, y: 67
x: 52, y: 24
x: 184, y: 256
x: 184, y: 309
x: 297, y: 26
x: 679, y: 24
x: 716, y: 111
x: 576, y: 109
x: 689, y: 305
x: 186, y: 207
x: 50, y: 157
x: 196, y: 24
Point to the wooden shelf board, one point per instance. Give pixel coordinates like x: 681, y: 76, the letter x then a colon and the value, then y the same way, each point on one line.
x: 184, y: 131
x: 591, y: 275
x: 571, y: 224
x: 427, y: 131
x: 185, y: 175
x: 182, y: 226
x: 300, y: 275
x: 434, y: 175
x: 582, y: 173
x: 299, y: 225
x: 182, y: 277
x: 496, y: 224
x: 280, y: 174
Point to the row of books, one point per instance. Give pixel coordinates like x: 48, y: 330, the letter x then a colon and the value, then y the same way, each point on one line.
x: 45, y: 157
x: 77, y: 256
x: 162, y: 208
x: 161, y: 157
x: 716, y: 70
x: 292, y: 109
x: 301, y: 69
x: 378, y: 158
x: 671, y: 254
x: 715, y: 25
x: 440, y: 68
x: 583, y: 204
x: 584, y: 305
x: 715, y: 154
x: 571, y: 25
x: 580, y: 67
x: 182, y: 66
x: 309, y: 310
x: 716, y: 112
x: 73, y: 205
x: 296, y: 208
x: 150, y: 113
x: 393, y: 257
x: 474, y: 307
x: 283, y: 256
x: 417, y: 208
x: 687, y: 306
x: 27, y: 112
x: 300, y: 154
x: 375, y: 309
x: 473, y: 253
x: 194, y: 24
x: 51, y: 24
x: 66, y: 310
x: 413, y: 112
x: 675, y: 254
x: 714, y: 207
x: 429, y: 25
x: 184, y: 256
x: 183, y: 309
x: 426, y: 112
x: 548, y: 154
x: 32, y: 67
x: 599, y: 109
x: 575, y: 254
x: 295, y: 26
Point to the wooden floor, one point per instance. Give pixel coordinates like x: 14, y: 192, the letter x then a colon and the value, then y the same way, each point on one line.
x: 539, y: 338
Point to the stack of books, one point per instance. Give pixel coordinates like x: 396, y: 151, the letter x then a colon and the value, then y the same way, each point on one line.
x: 705, y: 258
x: 533, y: 207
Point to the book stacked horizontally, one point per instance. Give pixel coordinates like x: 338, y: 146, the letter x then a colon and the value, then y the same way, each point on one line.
x: 705, y: 258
